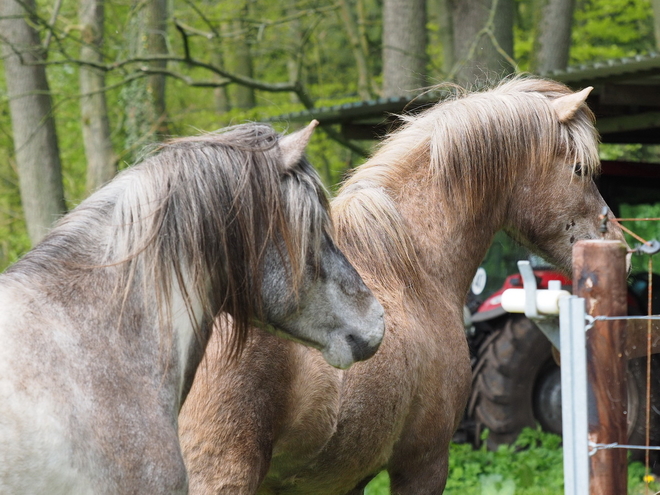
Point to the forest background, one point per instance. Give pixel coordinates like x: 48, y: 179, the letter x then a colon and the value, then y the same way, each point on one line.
x: 86, y: 84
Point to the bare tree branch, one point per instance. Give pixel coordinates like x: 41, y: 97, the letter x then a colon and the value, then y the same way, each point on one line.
x: 194, y: 31
x: 262, y: 23
x: 214, y: 31
x: 51, y: 23
x: 189, y: 81
x: 187, y: 59
x: 335, y: 136
x: 489, y: 31
x: 136, y: 67
x: 184, y: 37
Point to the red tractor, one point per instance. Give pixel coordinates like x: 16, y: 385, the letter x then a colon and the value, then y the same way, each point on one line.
x: 516, y: 380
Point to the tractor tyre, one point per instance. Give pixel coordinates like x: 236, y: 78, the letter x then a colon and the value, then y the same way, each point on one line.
x: 517, y: 383
x: 509, y: 365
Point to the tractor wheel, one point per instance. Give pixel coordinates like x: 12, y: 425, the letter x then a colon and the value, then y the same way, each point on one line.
x: 516, y: 383
x: 509, y: 365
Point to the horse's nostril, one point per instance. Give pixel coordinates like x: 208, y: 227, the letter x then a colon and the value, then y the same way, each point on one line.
x: 360, y: 348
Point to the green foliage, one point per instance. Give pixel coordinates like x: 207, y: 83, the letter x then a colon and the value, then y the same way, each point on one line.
x: 500, y: 261
x: 611, y: 29
x: 14, y: 240
x: 281, y: 35
x: 524, y: 31
x: 531, y: 466
x: 380, y: 485
x: 602, y: 29
x: 523, y: 48
x: 647, y: 230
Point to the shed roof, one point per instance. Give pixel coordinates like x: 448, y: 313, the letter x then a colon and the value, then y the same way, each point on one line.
x: 625, y: 99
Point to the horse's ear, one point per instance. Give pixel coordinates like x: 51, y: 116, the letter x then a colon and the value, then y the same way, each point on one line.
x: 566, y: 106
x: 293, y: 146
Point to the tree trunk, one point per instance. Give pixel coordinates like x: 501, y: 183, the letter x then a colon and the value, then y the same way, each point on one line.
x: 144, y: 100
x: 243, y: 96
x: 220, y: 95
x: 101, y: 160
x: 656, y: 22
x: 553, y: 40
x: 483, y: 40
x: 404, y: 46
x: 447, y: 34
x: 440, y: 13
x: 155, y: 36
x: 35, y: 138
x: 361, y: 12
x: 294, y: 47
x: 352, y: 31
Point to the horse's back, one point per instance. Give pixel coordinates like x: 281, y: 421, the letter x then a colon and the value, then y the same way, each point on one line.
x: 70, y: 421
x: 35, y: 450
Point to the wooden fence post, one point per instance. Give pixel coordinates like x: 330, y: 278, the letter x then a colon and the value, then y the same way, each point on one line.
x: 599, y: 276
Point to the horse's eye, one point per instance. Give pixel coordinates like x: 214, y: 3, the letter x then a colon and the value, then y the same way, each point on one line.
x: 577, y: 169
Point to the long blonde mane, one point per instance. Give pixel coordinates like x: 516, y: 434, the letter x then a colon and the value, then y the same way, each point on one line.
x: 471, y: 148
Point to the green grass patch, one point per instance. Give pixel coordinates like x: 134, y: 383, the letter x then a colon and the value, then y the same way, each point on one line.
x: 531, y: 466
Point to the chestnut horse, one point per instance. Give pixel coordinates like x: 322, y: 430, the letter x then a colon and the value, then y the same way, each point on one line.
x: 416, y: 220
x: 103, y: 323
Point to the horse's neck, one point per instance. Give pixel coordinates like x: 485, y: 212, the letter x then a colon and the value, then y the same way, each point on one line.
x: 176, y: 332
x: 187, y: 323
x: 80, y: 269
x: 450, y: 247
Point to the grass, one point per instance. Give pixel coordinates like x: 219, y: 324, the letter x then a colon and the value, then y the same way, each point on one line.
x: 531, y: 466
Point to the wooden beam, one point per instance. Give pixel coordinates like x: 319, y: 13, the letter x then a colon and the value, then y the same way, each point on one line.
x: 599, y: 276
x: 644, y: 95
x: 623, y: 123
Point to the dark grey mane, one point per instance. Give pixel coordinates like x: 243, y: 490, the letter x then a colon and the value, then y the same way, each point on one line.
x: 198, y: 212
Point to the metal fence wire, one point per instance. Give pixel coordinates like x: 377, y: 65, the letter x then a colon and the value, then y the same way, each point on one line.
x: 579, y: 449
x: 574, y: 323
x: 649, y: 248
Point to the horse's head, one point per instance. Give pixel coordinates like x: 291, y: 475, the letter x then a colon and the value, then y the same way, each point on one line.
x: 332, y: 310
x: 554, y: 206
x: 318, y: 299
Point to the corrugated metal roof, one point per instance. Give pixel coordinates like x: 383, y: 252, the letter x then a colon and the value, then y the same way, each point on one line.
x: 358, y: 109
x: 637, y: 67
x: 625, y: 100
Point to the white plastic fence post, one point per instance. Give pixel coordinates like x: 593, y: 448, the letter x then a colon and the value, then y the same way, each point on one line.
x: 574, y: 395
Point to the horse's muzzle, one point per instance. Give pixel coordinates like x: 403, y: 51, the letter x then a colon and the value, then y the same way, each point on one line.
x: 360, y: 348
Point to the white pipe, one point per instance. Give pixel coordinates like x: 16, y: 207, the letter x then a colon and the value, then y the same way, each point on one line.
x: 547, y: 301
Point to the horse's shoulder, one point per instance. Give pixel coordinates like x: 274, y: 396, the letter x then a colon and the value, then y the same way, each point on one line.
x: 14, y: 300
